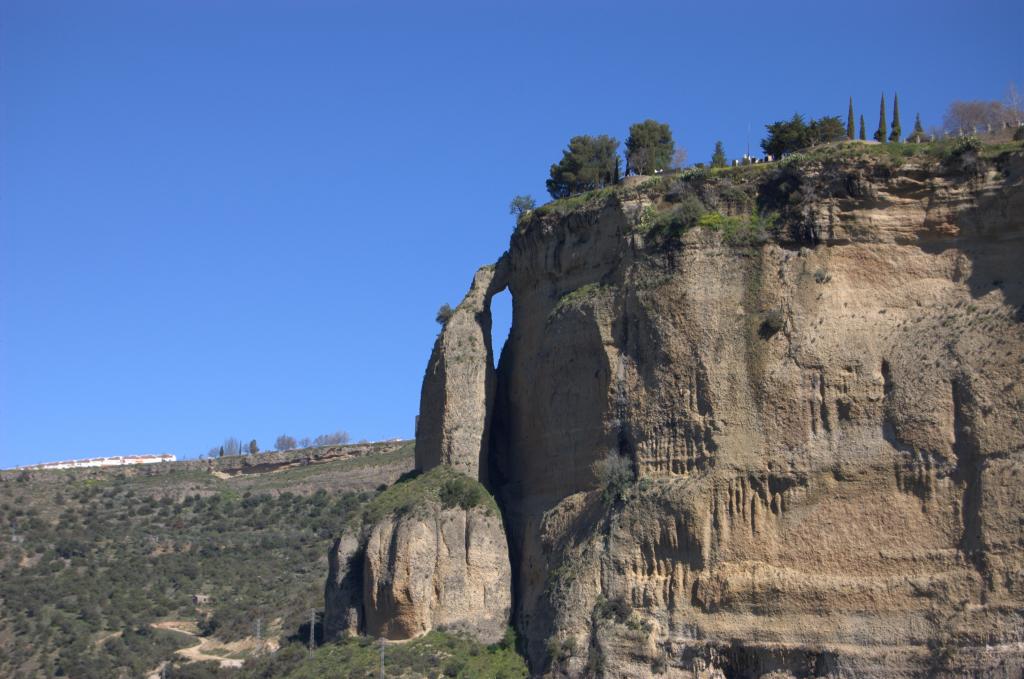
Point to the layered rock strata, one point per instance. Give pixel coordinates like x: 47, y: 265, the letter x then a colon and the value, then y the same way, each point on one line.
x: 440, y: 568
x: 824, y: 423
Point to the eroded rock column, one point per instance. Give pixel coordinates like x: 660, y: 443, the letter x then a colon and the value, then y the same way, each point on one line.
x: 457, y: 397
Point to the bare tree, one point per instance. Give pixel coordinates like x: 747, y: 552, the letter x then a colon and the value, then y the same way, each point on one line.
x: 304, y: 442
x: 335, y: 439
x: 1014, y: 103
x: 678, y: 158
x: 284, y: 442
x: 968, y: 115
x: 232, y: 446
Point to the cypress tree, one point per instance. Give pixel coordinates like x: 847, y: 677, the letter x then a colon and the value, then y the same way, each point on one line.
x: 880, y: 132
x: 897, y: 132
x: 918, y: 133
x: 718, y: 157
x: 849, y: 121
x: 863, y: 134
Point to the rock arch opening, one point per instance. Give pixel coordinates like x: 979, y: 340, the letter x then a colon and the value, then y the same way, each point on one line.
x: 501, y: 322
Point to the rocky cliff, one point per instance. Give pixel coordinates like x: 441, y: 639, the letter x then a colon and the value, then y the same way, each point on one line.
x: 430, y: 552
x: 813, y: 376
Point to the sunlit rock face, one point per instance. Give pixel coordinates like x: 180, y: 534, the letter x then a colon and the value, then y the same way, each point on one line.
x: 457, y: 398
x: 437, y: 568
x: 826, y: 426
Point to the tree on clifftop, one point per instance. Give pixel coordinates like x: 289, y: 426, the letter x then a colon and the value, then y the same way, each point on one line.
x: 880, y: 132
x: 785, y: 136
x: 824, y: 130
x: 849, y: 121
x: 649, y: 147
x: 897, y: 132
x: 863, y: 133
x: 917, y: 134
x: 284, y: 442
x: 521, y: 204
x: 588, y: 163
x: 718, y: 157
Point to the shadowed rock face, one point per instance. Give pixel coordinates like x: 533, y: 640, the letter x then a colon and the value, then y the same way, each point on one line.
x: 457, y: 397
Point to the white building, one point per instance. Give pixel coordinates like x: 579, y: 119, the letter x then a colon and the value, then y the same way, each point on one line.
x: 115, y: 461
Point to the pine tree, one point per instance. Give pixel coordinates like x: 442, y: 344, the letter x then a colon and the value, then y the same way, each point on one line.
x: 918, y: 133
x: 718, y: 157
x: 849, y: 121
x: 897, y: 132
x: 863, y: 134
x: 880, y: 132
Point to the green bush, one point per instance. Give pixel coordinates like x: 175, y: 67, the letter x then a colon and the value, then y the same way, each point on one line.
x: 968, y: 144
x: 615, y: 474
x: 675, y: 221
x: 461, y: 492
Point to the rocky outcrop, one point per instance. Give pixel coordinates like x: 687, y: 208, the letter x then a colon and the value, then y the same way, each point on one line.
x: 825, y: 424
x: 437, y: 567
x: 343, y: 595
x: 428, y: 552
x: 457, y: 397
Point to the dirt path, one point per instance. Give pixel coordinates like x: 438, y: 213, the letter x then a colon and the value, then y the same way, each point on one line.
x: 202, y: 650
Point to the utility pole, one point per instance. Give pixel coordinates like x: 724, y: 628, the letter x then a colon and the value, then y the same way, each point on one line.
x: 312, y: 631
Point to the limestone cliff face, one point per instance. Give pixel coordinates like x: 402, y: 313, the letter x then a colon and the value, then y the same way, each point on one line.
x: 439, y: 567
x: 827, y: 428
x: 430, y: 551
x: 454, y: 422
x: 825, y: 425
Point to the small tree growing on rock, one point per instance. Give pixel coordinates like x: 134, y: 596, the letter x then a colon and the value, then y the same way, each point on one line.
x: 444, y: 313
x: 615, y: 473
x: 521, y: 205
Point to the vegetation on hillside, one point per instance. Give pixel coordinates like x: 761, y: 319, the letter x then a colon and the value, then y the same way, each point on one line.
x: 88, y: 564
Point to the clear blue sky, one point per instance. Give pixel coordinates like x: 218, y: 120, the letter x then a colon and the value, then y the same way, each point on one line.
x: 239, y: 218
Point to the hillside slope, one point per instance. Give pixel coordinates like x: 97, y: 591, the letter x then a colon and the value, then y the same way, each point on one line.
x: 99, y: 555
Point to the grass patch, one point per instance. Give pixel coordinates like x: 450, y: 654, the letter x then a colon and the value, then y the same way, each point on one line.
x: 581, y: 295
x: 564, y: 206
x: 739, y: 229
x: 441, y: 485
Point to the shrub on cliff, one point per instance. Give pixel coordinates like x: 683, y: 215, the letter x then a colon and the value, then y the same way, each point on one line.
x: 461, y: 492
x: 444, y: 313
x: 614, y: 473
x: 520, y: 205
